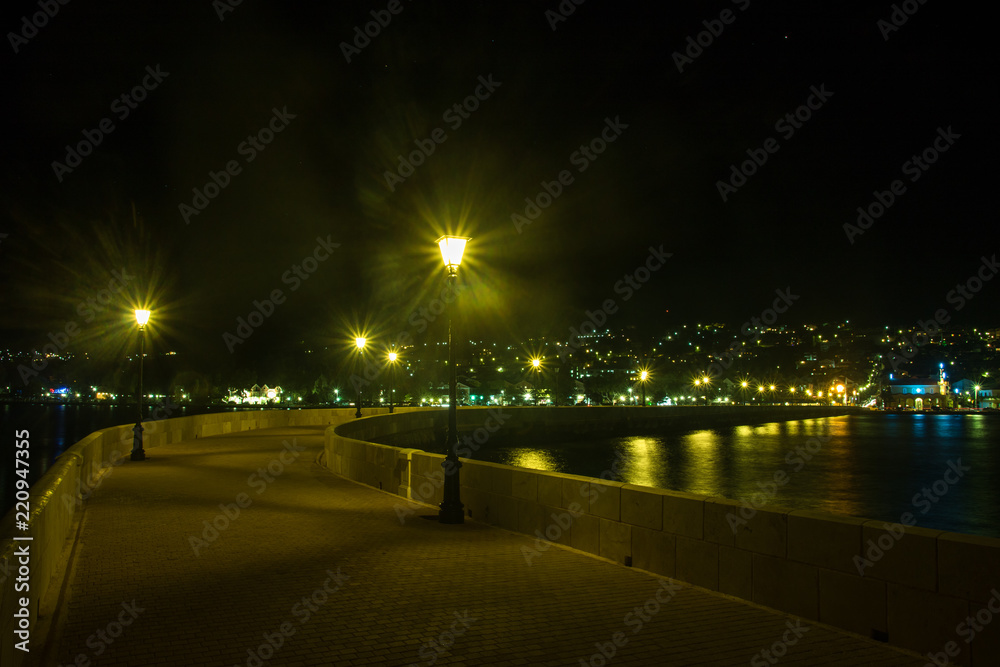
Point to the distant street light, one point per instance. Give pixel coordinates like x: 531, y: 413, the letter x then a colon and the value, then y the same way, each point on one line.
x: 392, y: 363
x: 976, y: 402
x: 536, y: 365
x: 643, y: 376
x: 360, y: 343
x: 451, y: 508
x: 138, y: 453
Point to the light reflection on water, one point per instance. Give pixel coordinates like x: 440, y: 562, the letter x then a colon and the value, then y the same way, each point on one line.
x: 869, y: 465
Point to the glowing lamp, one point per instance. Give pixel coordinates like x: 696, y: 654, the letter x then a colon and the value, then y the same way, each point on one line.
x: 452, y: 248
x: 141, y: 317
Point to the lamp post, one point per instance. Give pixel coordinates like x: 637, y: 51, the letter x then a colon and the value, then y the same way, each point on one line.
x: 536, y: 365
x: 643, y: 376
x: 392, y: 362
x: 359, y: 342
x: 975, y: 403
x: 451, y: 508
x: 138, y: 453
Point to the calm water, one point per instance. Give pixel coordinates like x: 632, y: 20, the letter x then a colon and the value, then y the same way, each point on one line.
x: 870, y: 465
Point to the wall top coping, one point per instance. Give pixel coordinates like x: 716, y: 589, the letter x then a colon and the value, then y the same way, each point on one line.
x: 828, y: 517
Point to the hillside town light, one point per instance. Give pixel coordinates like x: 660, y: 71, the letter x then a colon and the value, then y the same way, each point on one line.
x: 360, y: 343
x: 138, y: 453
x: 451, y: 509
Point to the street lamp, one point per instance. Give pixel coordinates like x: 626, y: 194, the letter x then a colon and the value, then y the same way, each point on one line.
x: 976, y: 402
x: 360, y: 343
x: 451, y: 508
x: 643, y: 377
x: 536, y: 365
x: 392, y: 362
x: 138, y: 453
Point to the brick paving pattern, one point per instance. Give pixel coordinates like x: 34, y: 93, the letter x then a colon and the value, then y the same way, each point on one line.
x: 327, y: 561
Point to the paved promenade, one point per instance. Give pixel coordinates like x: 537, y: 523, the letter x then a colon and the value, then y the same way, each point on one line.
x: 318, y: 570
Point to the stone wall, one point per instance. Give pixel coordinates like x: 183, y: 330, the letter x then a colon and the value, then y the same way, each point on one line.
x: 910, y: 586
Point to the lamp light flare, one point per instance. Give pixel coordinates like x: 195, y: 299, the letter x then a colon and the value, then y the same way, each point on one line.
x: 360, y: 342
x: 141, y: 317
x: 452, y: 249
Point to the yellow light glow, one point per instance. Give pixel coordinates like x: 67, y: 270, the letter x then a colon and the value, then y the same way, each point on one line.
x: 536, y: 362
x: 452, y: 249
x: 840, y: 389
x: 393, y: 356
x: 645, y: 376
x: 743, y: 384
x: 360, y: 342
x: 142, y: 316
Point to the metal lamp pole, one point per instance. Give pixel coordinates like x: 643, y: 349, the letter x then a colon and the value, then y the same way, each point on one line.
x: 138, y: 453
x: 452, y: 511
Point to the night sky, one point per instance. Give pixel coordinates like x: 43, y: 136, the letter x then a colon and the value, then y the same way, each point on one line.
x: 678, y: 125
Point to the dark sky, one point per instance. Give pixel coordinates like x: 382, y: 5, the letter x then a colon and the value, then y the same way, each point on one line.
x: 322, y: 175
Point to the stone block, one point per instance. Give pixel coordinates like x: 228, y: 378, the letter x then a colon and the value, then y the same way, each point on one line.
x: 718, y: 526
x: 786, y: 586
x: 901, y: 554
x: 653, y: 550
x: 684, y: 514
x: 853, y: 603
x: 586, y: 534
x: 524, y: 484
x: 604, y: 499
x: 826, y: 540
x: 765, y: 532
x: 616, y: 540
x: 968, y: 566
x: 642, y: 506
x: 736, y: 572
x: 924, y: 622
x: 697, y: 562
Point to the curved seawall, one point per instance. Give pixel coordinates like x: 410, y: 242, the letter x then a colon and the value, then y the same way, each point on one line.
x: 910, y: 586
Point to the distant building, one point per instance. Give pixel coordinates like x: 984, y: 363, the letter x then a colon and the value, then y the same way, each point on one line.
x: 255, y: 395
x: 918, y: 394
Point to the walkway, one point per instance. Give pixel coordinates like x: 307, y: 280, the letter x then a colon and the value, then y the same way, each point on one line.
x: 318, y: 570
